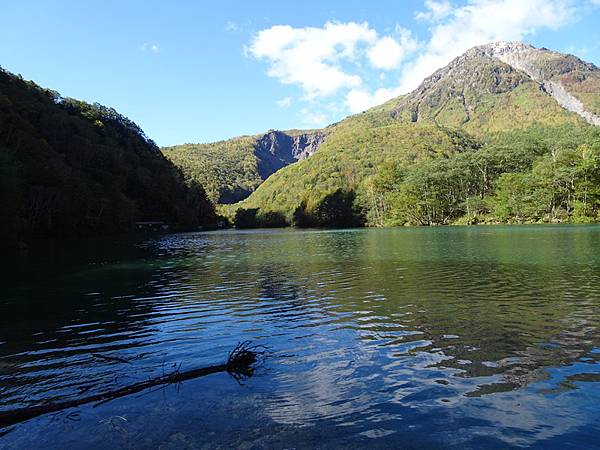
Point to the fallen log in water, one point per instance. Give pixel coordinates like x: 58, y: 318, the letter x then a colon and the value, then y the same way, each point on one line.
x: 239, y: 364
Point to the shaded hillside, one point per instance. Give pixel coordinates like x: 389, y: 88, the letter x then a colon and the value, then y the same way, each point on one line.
x: 231, y: 170
x: 70, y: 168
x: 412, y: 160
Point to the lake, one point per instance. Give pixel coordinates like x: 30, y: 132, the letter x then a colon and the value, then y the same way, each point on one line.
x: 451, y: 337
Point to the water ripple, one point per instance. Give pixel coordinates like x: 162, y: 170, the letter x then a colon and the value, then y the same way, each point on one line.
x: 372, y: 331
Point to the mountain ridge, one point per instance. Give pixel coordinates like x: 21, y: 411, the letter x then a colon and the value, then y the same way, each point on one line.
x: 533, y: 96
x: 501, y: 68
x: 519, y: 55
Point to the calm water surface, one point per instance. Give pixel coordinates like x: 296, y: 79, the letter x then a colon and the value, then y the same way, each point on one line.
x: 481, y: 337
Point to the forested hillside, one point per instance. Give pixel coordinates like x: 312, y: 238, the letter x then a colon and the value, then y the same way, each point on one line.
x: 231, y: 170
x: 504, y: 133
x: 68, y: 168
x: 227, y: 169
x: 352, y: 153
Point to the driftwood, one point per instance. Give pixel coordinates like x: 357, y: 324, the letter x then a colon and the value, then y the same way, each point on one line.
x: 111, y: 358
x: 239, y: 364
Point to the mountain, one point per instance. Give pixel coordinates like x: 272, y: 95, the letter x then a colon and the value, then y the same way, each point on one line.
x: 230, y: 170
x: 502, y: 106
x: 69, y: 168
x: 506, y: 85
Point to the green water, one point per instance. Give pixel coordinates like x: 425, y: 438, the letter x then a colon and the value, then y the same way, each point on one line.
x: 455, y: 337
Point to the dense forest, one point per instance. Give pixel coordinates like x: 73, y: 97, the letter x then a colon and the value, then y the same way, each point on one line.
x: 232, y: 169
x: 68, y: 168
x: 538, y: 175
x: 227, y: 169
x: 534, y: 175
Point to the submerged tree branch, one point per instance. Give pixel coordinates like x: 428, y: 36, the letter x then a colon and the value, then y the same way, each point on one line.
x: 239, y: 364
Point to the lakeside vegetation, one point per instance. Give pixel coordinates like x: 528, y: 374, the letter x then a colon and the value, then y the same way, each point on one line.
x: 438, y: 177
x: 540, y: 175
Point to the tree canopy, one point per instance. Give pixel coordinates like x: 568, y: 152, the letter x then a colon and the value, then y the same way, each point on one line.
x: 70, y: 168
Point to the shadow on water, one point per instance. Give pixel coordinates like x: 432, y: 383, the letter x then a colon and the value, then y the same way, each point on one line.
x: 482, y: 337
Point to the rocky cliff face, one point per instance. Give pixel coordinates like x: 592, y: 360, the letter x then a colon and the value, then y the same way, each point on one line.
x: 453, y: 93
x: 277, y: 149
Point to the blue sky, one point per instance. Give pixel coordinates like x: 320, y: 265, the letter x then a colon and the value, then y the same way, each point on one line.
x: 199, y: 71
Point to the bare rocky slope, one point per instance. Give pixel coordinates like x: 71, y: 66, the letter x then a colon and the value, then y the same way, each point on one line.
x: 457, y: 95
x: 555, y: 73
x: 277, y: 149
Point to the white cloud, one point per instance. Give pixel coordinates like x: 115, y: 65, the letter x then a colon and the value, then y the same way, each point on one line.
x: 436, y: 10
x: 310, y: 57
x: 358, y: 100
x: 387, y: 53
x: 480, y: 22
x: 154, y: 48
x: 285, y: 102
x: 317, y: 59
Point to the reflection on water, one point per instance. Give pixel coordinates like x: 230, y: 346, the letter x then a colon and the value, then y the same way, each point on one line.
x: 483, y: 337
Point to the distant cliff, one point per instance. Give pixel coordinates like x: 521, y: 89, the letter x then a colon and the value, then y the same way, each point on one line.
x: 277, y: 149
x: 231, y: 170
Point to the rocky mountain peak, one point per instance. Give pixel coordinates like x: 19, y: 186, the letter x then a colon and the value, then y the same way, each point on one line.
x: 499, y: 68
x: 277, y: 149
x: 498, y: 48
